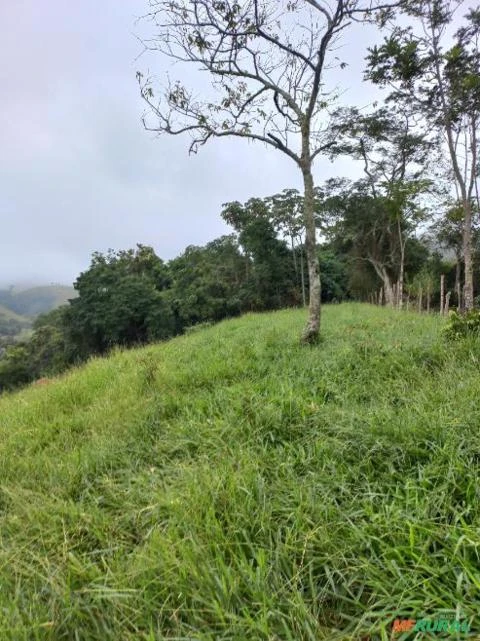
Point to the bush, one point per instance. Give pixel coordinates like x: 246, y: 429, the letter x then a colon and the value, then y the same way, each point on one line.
x: 460, y: 325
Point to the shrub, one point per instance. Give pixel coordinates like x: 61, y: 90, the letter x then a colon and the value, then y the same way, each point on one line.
x: 460, y: 325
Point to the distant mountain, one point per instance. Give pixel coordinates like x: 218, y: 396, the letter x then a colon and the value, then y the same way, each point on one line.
x: 7, y: 314
x: 35, y: 300
x: 13, y: 327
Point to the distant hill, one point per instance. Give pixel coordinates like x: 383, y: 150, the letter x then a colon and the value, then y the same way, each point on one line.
x: 35, y: 300
x: 7, y: 314
x: 13, y: 327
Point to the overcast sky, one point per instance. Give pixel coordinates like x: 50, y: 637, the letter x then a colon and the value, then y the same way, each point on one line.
x: 79, y: 174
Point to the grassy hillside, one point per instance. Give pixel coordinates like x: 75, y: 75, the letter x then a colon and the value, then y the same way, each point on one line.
x: 233, y: 485
x: 8, y: 314
x: 12, y: 326
x: 42, y: 299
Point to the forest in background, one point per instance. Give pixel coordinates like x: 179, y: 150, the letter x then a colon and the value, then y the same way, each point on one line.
x: 132, y: 297
x: 405, y: 233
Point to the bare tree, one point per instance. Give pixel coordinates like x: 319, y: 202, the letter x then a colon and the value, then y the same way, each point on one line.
x: 266, y: 60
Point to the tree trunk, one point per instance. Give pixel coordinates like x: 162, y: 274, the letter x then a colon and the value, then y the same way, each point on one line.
x: 467, y: 255
x: 442, y: 293
x: 447, y: 303
x: 302, y: 276
x: 420, y: 300
x: 388, y: 290
x: 401, y: 274
x: 292, y: 242
x: 312, y: 329
x: 458, y: 287
x: 460, y: 179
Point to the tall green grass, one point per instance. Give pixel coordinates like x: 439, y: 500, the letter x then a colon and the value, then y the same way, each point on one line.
x: 234, y: 485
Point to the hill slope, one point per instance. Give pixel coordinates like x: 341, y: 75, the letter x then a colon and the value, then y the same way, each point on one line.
x: 41, y: 299
x: 8, y: 314
x: 231, y: 484
x: 12, y: 326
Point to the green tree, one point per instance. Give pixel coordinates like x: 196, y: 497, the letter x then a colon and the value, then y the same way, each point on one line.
x: 368, y: 228
x: 441, y: 86
x: 287, y: 216
x: 44, y: 353
x: 15, y: 367
x: 271, y: 280
x: 208, y: 283
x: 334, y: 268
x: 121, y: 301
x: 266, y: 61
x: 395, y: 159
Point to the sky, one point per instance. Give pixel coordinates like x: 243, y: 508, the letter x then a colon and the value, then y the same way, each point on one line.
x: 78, y: 172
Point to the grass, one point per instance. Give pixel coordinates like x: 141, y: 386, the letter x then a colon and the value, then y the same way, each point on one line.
x: 232, y: 485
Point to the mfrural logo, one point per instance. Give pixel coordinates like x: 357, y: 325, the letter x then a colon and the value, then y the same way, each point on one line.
x: 431, y: 625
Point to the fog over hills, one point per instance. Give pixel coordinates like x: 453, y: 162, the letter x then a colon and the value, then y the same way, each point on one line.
x: 28, y: 301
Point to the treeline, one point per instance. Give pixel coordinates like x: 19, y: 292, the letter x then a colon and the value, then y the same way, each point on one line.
x: 133, y: 297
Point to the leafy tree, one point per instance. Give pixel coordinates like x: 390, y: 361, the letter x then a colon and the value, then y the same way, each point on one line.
x: 287, y: 216
x: 448, y: 232
x: 368, y: 228
x: 44, y: 353
x: 395, y: 159
x: 208, y: 283
x: 334, y: 268
x: 270, y: 279
x: 11, y: 326
x: 121, y: 301
x: 266, y: 61
x: 287, y: 213
x: 15, y: 367
x: 441, y: 86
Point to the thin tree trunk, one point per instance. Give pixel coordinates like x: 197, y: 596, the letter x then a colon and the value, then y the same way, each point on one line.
x: 442, y: 293
x: 467, y: 255
x: 402, y: 265
x: 428, y: 299
x: 312, y: 329
x: 295, y: 266
x: 292, y: 242
x: 460, y: 179
x: 447, y: 303
x: 302, y: 276
x: 458, y: 287
x: 420, y: 300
